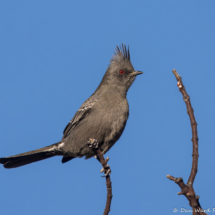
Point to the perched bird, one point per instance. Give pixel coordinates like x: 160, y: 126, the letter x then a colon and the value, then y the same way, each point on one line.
x: 102, y: 116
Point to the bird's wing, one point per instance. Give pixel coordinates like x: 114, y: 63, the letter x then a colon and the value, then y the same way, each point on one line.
x: 83, y: 111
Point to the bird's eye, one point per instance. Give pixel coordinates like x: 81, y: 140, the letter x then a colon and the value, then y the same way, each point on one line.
x: 121, y: 72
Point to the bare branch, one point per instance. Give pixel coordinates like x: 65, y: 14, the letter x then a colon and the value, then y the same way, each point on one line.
x: 93, y: 144
x: 187, y: 189
x: 108, y: 181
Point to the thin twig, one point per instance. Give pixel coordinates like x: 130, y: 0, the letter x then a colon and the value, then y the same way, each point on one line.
x: 108, y: 181
x: 187, y: 189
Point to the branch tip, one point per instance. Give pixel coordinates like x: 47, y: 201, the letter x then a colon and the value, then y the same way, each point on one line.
x: 176, y: 74
x: 180, y: 193
x: 170, y: 177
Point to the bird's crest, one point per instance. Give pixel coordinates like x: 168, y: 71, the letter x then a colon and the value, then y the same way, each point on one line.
x: 121, y: 54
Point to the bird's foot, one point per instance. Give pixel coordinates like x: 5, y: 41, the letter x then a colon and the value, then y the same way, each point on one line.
x: 106, y: 170
x: 92, y: 143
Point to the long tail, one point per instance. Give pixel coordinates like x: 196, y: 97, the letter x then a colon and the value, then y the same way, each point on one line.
x: 32, y: 156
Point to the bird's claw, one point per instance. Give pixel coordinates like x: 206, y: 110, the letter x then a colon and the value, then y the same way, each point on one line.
x: 92, y: 143
x: 106, y: 170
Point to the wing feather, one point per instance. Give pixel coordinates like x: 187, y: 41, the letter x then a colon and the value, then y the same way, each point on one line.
x: 83, y: 112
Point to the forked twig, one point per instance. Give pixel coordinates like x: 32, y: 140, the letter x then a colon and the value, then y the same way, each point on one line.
x: 187, y: 189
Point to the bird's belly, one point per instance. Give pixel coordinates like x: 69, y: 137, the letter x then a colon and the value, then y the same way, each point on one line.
x: 114, y: 134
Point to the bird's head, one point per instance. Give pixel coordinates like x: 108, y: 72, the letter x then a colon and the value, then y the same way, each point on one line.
x: 121, y: 73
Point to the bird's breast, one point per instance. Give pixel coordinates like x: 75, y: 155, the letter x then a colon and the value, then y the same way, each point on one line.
x: 115, y: 115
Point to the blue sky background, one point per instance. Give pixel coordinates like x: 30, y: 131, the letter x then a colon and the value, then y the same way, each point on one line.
x: 53, y: 56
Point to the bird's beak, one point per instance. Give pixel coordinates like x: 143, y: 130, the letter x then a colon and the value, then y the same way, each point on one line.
x: 136, y: 73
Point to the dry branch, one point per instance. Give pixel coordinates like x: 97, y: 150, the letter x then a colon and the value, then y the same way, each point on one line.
x: 187, y: 189
x: 93, y: 144
x: 108, y: 181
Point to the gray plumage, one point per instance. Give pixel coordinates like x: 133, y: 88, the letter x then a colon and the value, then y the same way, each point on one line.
x: 102, y: 116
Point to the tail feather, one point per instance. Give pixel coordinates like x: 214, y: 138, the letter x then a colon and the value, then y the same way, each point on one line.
x: 31, y: 156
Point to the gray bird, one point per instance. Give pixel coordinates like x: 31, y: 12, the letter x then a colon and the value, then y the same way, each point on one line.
x: 102, y: 116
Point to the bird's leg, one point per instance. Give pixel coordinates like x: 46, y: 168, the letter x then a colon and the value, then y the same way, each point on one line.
x: 93, y: 144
